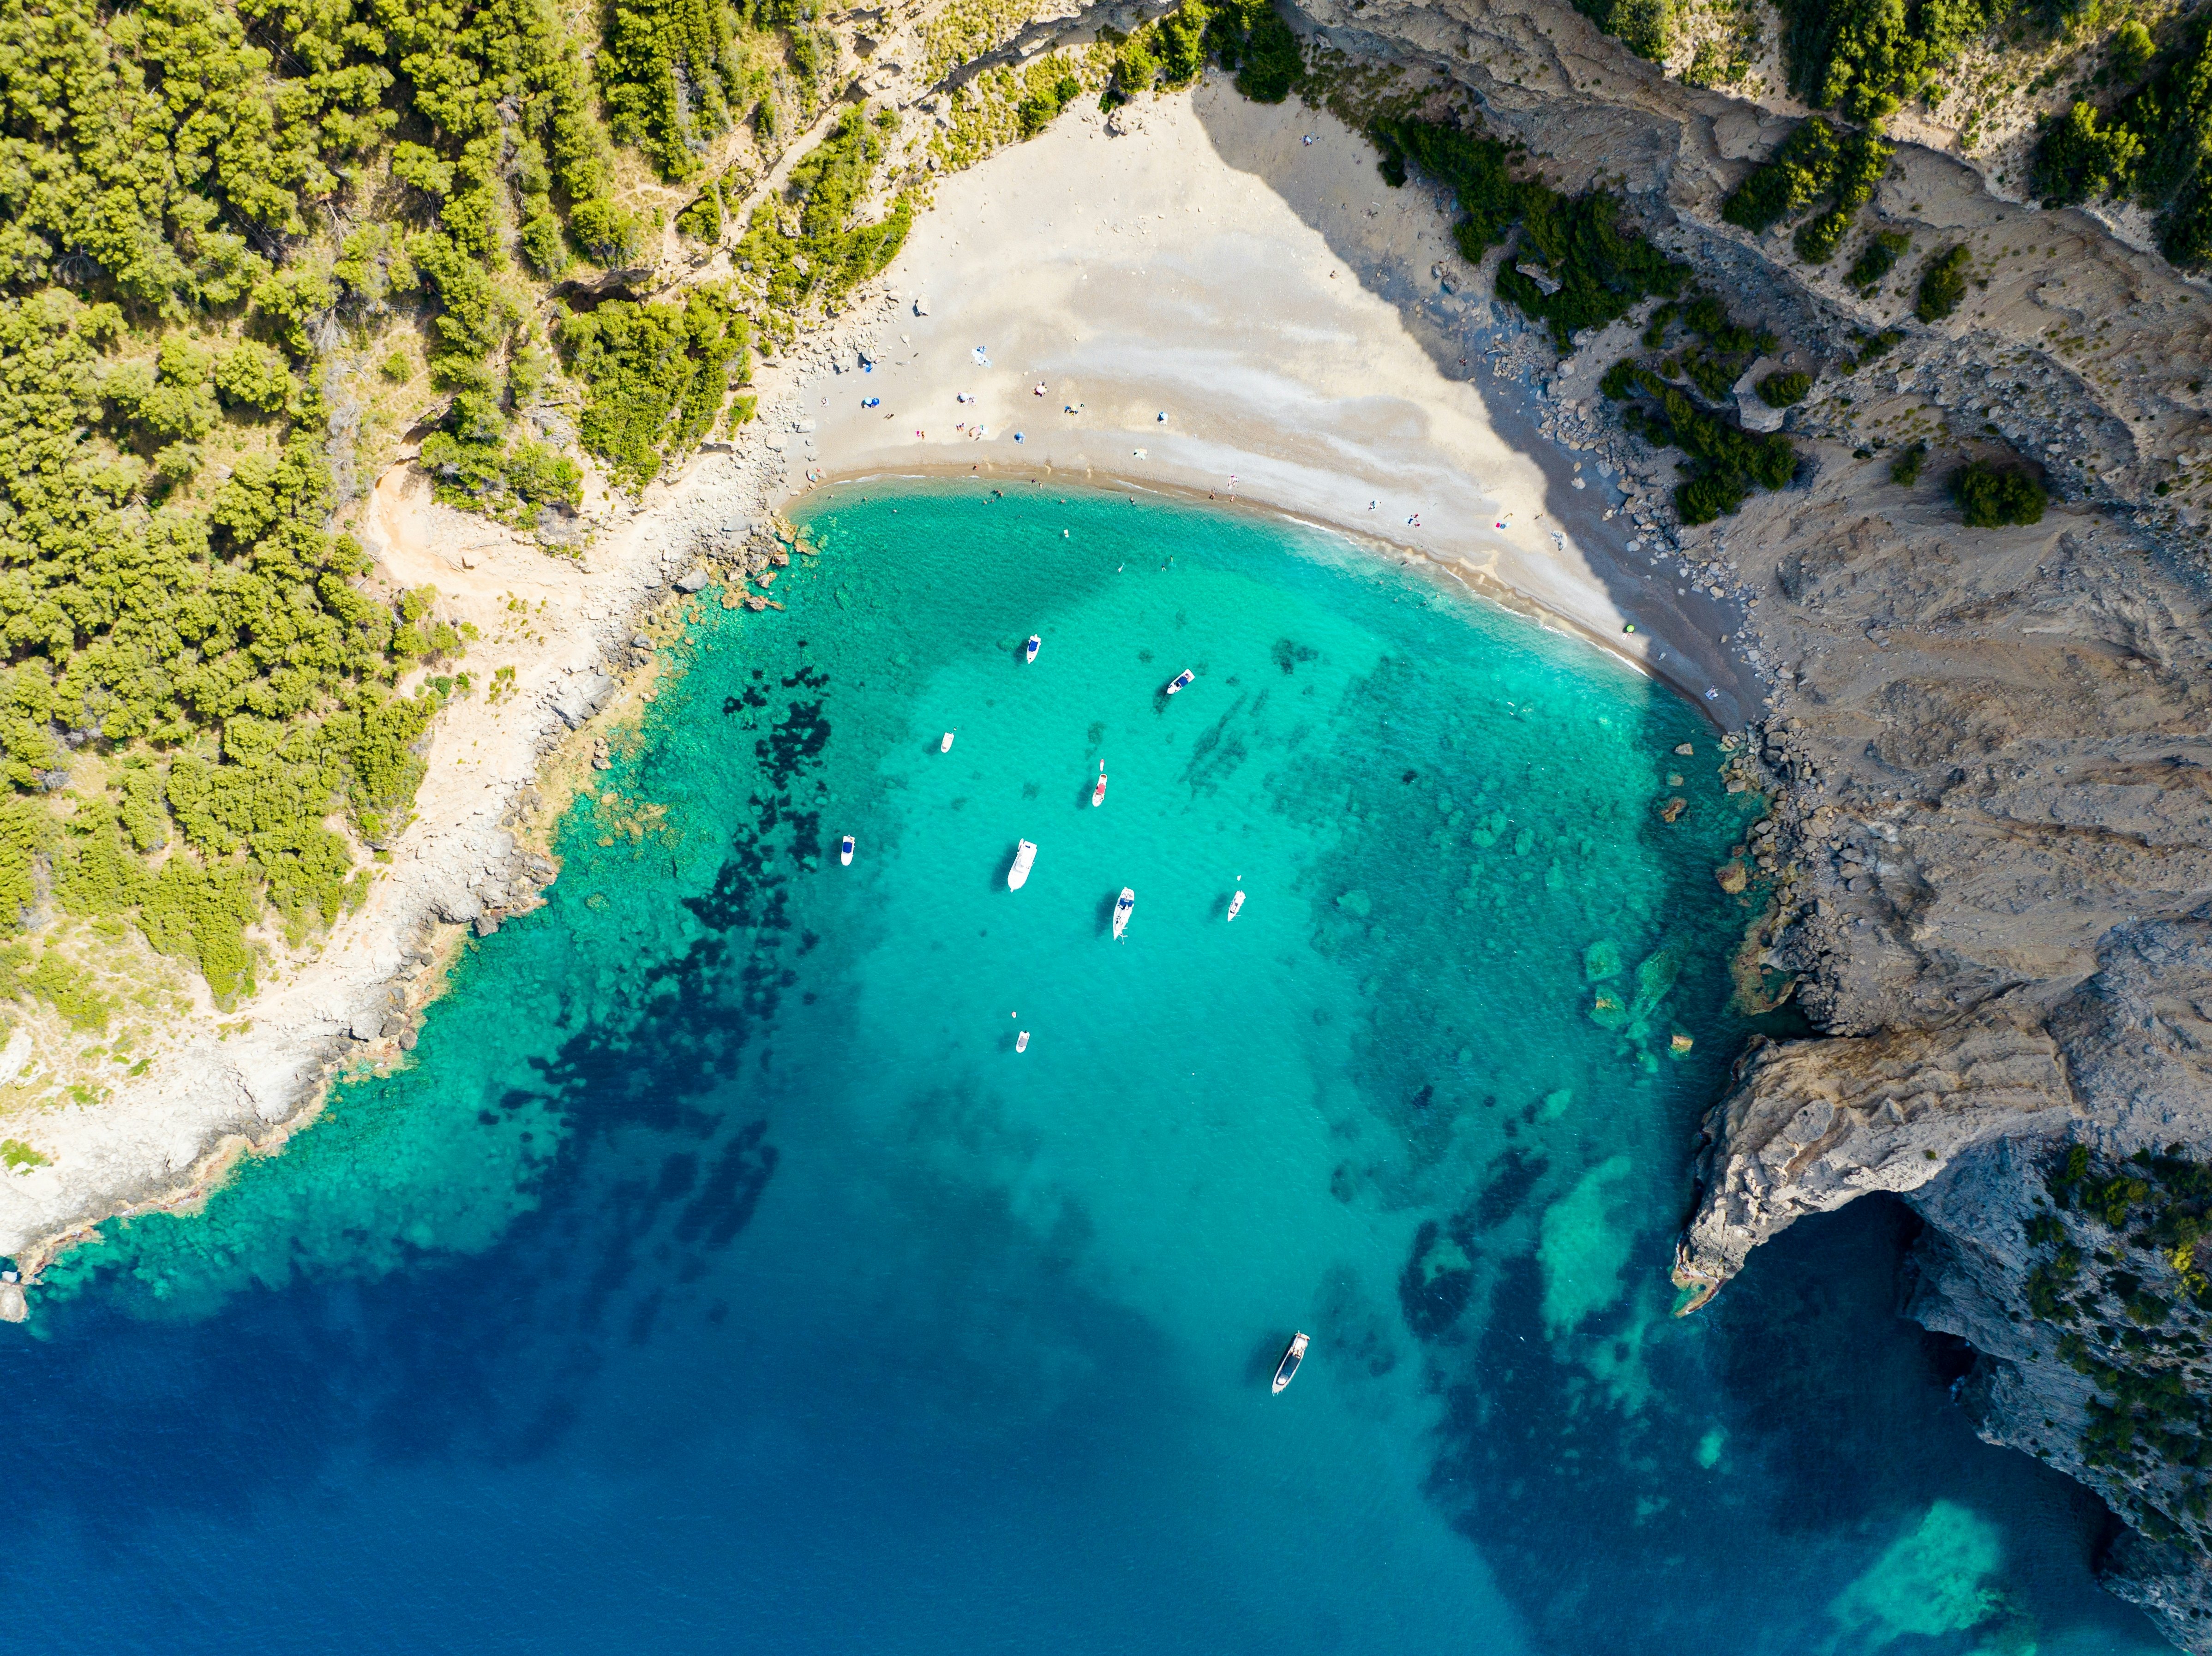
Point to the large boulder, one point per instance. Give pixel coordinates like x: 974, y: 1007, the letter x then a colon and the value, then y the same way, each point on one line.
x: 581, y: 695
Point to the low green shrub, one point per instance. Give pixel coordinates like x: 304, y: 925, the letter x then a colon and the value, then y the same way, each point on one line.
x: 1876, y: 259
x: 1942, y: 284
x: 1602, y: 270
x: 1813, y: 164
x: 1992, y: 496
x: 1864, y: 58
x: 1785, y: 390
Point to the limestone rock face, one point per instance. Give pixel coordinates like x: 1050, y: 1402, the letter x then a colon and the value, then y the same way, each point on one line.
x: 1810, y: 1124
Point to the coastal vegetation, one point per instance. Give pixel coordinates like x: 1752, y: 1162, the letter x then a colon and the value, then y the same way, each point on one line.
x: 2115, y: 1275
x: 1782, y: 390
x: 1864, y: 58
x: 1815, y: 165
x: 2149, y: 147
x: 1575, y: 266
x: 1942, y: 284
x: 235, y: 235
x: 1992, y: 497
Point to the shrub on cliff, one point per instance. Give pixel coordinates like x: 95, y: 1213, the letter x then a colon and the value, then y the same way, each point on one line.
x: 1639, y: 25
x: 2076, y: 160
x: 1864, y: 58
x: 1250, y: 37
x: 2151, y: 147
x: 1904, y: 469
x: 1991, y: 497
x: 1813, y: 164
x: 1942, y: 284
x: 1876, y: 260
x: 1726, y: 461
x: 1601, y: 270
x: 1782, y: 390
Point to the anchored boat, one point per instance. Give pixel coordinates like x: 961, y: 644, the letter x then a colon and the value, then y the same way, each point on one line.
x: 1293, y: 1355
x: 1024, y: 854
x: 1235, y: 903
x: 945, y: 746
x: 1179, y: 681
x: 845, y: 851
x: 1122, y: 905
x: 1098, y: 793
x: 1022, y: 1041
x: 1029, y: 650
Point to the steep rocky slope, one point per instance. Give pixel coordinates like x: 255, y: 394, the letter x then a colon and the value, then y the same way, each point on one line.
x: 1990, y: 848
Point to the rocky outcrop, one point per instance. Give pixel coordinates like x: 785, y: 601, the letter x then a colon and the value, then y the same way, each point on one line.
x: 1808, y: 1125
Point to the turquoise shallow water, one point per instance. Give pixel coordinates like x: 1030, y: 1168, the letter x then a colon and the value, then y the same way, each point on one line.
x: 720, y: 1272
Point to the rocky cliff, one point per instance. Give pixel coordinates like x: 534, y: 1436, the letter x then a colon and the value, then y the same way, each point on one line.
x: 1990, y: 846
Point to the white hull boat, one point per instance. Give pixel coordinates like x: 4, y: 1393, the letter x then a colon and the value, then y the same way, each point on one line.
x: 1122, y: 905
x: 945, y: 746
x: 1029, y: 650
x: 1181, y: 680
x: 1287, y: 1369
x: 1098, y: 793
x: 1022, y: 1041
x: 845, y: 851
x: 1236, y: 903
x: 1024, y: 855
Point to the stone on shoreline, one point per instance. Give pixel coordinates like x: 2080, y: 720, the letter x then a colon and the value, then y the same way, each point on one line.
x: 581, y: 695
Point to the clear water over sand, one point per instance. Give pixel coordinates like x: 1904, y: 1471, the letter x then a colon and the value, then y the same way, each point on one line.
x: 720, y: 1276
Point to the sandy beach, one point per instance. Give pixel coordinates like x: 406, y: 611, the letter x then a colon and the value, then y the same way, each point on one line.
x: 1225, y: 299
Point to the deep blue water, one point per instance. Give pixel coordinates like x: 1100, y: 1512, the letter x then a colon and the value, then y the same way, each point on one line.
x: 718, y: 1275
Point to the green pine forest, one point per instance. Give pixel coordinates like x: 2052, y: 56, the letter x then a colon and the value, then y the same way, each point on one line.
x: 245, y: 245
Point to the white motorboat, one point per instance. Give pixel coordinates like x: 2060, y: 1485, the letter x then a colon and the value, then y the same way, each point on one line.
x: 1022, y: 1041
x: 1029, y: 650
x: 1181, y: 680
x: 1122, y: 905
x: 945, y: 746
x: 1098, y: 793
x: 1235, y: 902
x: 1024, y: 855
x: 1287, y: 1369
x: 845, y: 851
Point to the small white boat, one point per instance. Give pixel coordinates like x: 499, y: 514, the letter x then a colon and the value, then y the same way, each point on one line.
x: 1122, y: 905
x: 1098, y: 793
x: 1024, y: 854
x: 1022, y: 1041
x: 1287, y: 1369
x: 1181, y: 680
x: 945, y: 746
x: 1029, y: 650
x: 1236, y: 903
x: 845, y: 851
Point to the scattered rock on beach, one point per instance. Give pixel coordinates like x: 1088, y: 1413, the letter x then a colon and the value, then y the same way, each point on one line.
x: 1733, y: 877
